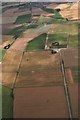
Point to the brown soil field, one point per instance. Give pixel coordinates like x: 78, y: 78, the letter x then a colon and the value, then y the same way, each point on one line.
x: 47, y: 15
x: 9, y: 12
x: 11, y: 61
x: 6, y: 38
x: 7, y: 27
x: 39, y: 69
x: 21, y: 12
x: 69, y: 76
x: 4, y: 44
x: 40, y: 102
x: 52, y: 5
x: 70, y: 57
x: 8, y: 20
x: 38, y: 11
x: 73, y: 91
x: 75, y: 73
x: 71, y: 13
x: 8, y: 79
x: 10, y: 66
x: 62, y: 6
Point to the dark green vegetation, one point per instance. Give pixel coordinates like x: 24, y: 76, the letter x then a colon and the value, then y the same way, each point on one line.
x: 58, y: 38
x: 23, y: 19
x: 7, y: 102
x: 18, y: 31
x: 37, y: 43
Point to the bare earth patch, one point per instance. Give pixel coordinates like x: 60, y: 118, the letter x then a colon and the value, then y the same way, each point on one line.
x: 70, y: 57
x: 73, y: 91
x: 40, y: 102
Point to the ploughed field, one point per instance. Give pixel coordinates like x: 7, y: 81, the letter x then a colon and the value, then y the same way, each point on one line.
x: 36, y: 78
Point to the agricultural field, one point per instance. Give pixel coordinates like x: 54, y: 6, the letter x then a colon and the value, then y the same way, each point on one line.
x: 32, y: 76
x: 37, y: 43
x: 7, y: 102
x: 40, y: 68
x: 71, y: 66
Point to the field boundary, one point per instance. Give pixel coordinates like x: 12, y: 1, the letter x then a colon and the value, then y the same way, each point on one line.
x: 67, y: 95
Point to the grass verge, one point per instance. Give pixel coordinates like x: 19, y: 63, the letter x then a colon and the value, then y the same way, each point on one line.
x: 7, y: 102
x: 2, y: 53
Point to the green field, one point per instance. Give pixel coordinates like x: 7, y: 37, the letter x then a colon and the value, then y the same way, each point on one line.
x: 66, y: 27
x: 37, y: 43
x: 2, y: 53
x: 58, y: 38
x: 23, y: 19
x: 7, y: 102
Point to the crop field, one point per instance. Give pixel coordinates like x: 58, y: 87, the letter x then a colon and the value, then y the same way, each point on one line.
x: 68, y: 27
x: 7, y: 102
x: 40, y: 102
x: 74, y: 41
x: 74, y: 97
x: 23, y: 19
x: 10, y: 67
x: 70, y: 57
x: 18, y: 31
x: 61, y: 38
x: 45, y: 69
x: 37, y: 43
